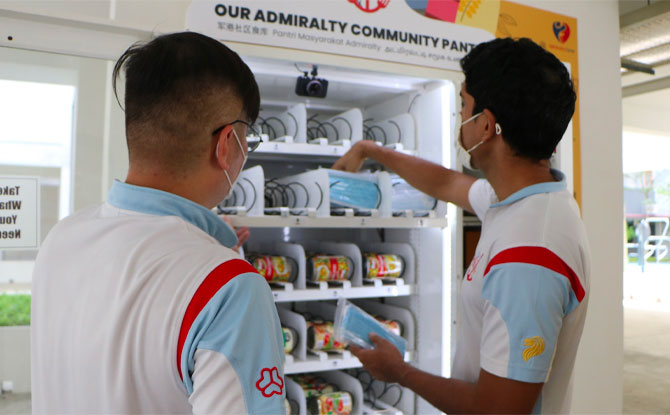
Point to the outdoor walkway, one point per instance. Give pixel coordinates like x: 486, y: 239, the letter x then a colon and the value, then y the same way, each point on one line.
x: 646, y: 339
x: 650, y: 286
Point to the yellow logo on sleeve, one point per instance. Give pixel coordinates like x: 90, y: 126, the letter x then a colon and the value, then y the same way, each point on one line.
x: 534, y: 347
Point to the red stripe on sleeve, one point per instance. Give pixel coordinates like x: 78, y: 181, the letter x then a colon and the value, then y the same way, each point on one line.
x: 216, y: 279
x: 537, y: 255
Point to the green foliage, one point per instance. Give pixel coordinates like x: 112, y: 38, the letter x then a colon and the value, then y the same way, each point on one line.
x: 14, y: 309
x: 630, y: 233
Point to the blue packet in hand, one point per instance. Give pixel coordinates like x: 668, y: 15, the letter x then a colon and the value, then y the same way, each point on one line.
x: 354, y: 325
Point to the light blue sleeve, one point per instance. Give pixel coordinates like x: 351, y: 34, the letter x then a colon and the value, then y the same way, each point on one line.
x: 523, y: 319
x: 241, y: 322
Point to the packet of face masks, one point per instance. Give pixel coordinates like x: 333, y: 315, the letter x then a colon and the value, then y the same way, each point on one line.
x: 354, y: 325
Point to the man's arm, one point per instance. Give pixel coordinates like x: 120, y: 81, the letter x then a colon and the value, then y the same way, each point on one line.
x: 432, y: 179
x: 230, y: 351
x: 490, y: 394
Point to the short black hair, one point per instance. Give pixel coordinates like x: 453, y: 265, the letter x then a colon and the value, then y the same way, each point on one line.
x: 176, y: 88
x: 527, y: 89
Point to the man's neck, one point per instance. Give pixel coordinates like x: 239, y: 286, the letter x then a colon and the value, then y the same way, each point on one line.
x: 188, y: 189
x: 514, y: 174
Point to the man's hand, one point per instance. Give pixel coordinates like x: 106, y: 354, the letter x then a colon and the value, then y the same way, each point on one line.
x: 384, y: 362
x: 352, y: 160
x: 242, y: 233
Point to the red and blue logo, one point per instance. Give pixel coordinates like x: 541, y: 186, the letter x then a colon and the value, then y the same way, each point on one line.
x: 561, y: 31
x: 370, y: 6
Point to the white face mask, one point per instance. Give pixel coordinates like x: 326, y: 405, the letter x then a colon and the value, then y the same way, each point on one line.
x: 462, y: 154
x: 230, y: 182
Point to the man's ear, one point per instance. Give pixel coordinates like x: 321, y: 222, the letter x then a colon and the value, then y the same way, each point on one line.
x: 491, y: 127
x: 222, y: 147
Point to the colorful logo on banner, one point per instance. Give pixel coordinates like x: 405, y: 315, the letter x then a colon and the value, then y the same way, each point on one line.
x: 561, y: 31
x: 370, y: 6
x: 474, y: 13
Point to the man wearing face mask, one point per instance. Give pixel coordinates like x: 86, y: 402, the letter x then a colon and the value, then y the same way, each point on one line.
x: 142, y: 304
x: 524, y: 296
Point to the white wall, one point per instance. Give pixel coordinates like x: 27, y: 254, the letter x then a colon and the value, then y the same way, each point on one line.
x: 15, y: 357
x: 598, y: 383
x: 645, y: 112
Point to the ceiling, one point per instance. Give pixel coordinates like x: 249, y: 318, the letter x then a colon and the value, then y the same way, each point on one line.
x: 645, y: 55
x: 645, y: 31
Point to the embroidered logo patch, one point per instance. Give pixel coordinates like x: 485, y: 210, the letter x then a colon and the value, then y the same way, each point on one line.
x: 270, y: 382
x: 534, y: 347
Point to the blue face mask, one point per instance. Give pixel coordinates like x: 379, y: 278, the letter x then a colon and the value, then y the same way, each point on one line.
x: 354, y: 326
x: 353, y: 192
x: 405, y: 197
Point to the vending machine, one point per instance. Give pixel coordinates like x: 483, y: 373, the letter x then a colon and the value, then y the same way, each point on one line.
x: 319, y: 235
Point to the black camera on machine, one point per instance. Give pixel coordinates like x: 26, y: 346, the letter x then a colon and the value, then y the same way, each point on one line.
x: 307, y: 86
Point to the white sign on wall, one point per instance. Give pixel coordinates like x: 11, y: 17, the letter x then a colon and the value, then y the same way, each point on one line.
x: 388, y: 30
x: 19, y: 212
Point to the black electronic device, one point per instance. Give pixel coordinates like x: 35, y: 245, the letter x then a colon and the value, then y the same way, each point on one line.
x: 307, y: 86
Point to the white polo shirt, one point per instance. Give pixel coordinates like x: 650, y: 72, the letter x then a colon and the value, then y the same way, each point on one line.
x: 140, y: 306
x: 524, y: 296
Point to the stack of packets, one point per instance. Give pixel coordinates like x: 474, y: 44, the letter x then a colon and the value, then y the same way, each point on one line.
x: 353, y: 325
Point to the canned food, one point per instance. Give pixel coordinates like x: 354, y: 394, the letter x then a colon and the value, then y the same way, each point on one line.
x: 321, y: 336
x: 318, y: 390
x: 383, y: 265
x: 275, y: 268
x: 290, y: 339
x: 336, y: 403
x: 391, y: 325
x: 313, y: 386
x: 329, y: 268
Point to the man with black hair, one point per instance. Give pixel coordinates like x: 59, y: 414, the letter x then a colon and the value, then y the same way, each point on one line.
x: 524, y: 296
x: 142, y: 304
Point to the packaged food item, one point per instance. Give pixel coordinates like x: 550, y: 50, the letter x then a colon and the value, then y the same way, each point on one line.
x: 275, y: 268
x: 354, y: 325
x: 287, y: 407
x: 313, y: 386
x: 290, y: 339
x: 391, y: 325
x: 329, y: 268
x: 321, y: 336
x: 383, y: 265
x: 335, y: 403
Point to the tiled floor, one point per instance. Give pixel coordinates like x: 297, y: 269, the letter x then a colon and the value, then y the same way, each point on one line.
x: 646, y: 374
x: 647, y: 339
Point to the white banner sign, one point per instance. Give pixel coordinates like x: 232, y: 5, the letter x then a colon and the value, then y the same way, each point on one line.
x: 388, y: 30
x: 19, y: 212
